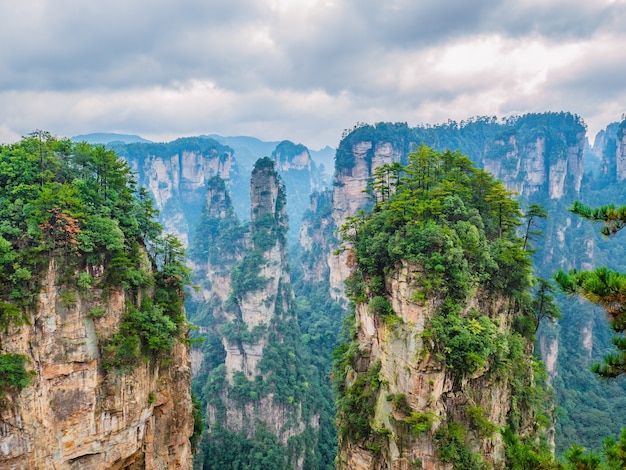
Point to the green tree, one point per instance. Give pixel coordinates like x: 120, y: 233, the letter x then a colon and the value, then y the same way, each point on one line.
x: 603, y: 286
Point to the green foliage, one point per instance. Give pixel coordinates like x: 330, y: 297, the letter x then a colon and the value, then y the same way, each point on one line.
x: 149, y: 331
x: 603, y: 286
x: 231, y: 450
x: 608, y: 289
x: 85, y: 281
x: 440, y: 214
x: 198, y: 423
x: 10, y: 314
x: 245, y: 275
x: 79, y: 204
x: 421, y: 422
x: 13, y: 374
x: 450, y: 439
x: 467, y: 344
x: 527, y: 454
x: 355, y: 406
x: 480, y: 421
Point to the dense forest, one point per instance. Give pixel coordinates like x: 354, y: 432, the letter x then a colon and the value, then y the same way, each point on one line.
x: 81, y: 207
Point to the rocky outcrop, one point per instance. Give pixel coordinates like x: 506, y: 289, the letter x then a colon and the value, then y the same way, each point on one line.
x: 253, y: 322
x: 317, y: 237
x: 415, y: 385
x: 76, y: 415
x: 610, y: 147
x: 300, y: 176
x: 620, y: 153
x: 545, y: 163
x: 175, y: 174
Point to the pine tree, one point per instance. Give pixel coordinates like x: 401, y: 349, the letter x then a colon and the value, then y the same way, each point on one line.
x: 603, y: 286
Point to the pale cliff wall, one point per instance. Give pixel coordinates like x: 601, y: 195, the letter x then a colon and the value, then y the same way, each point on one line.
x: 409, y: 369
x: 349, y: 196
x: 537, y: 165
x: 176, y: 179
x: 76, y: 415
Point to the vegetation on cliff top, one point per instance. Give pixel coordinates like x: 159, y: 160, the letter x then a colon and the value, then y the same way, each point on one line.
x: 78, y: 205
x: 459, y: 226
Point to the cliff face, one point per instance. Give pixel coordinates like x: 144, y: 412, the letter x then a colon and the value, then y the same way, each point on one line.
x: 418, y: 394
x: 349, y: 195
x: 257, y: 388
x: 543, y: 163
x: 316, y: 237
x: 175, y: 174
x: 620, y: 153
x: 75, y: 415
x: 300, y: 176
x: 610, y: 147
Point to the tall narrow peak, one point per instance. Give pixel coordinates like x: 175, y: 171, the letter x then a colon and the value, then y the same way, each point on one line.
x: 259, y: 391
x: 438, y: 357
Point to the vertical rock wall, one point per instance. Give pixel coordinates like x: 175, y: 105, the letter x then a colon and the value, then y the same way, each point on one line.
x: 76, y: 415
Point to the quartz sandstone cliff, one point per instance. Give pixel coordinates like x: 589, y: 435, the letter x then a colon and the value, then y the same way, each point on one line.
x: 74, y: 414
x: 426, y: 385
x: 175, y: 174
x: 249, y: 300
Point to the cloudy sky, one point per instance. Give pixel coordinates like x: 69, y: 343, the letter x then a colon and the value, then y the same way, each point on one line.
x: 303, y: 69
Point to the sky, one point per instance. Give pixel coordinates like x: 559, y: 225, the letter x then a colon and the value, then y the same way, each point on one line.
x: 303, y: 70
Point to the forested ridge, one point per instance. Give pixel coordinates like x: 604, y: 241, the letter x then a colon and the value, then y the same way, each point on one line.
x: 78, y: 206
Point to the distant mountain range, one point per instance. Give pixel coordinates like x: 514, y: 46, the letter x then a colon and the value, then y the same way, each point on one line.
x: 248, y: 149
x: 105, y: 138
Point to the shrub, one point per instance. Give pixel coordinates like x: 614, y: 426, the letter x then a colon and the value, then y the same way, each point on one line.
x: 13, y: 374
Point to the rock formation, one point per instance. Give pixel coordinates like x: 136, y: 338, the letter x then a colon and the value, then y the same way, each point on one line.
x: 175, y: 174
x: 438, y: 355
x: 259, y: 389
x: 77, y: 415
x: 94, y: 366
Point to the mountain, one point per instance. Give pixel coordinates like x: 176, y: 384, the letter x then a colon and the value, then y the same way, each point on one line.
x: 175, y: 174
x: 94, y: 357
x: 541, y: 157
x: 263, y: 402
x: 105, y: 138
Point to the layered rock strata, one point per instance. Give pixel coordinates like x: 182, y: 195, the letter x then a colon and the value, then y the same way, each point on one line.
x: 76, y: 415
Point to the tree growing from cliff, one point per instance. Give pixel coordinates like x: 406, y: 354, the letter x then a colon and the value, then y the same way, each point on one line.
x: 603, y: 286
x: 79, y: 205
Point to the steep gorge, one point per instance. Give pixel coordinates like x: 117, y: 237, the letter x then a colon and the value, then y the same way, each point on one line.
x: 261, y: 395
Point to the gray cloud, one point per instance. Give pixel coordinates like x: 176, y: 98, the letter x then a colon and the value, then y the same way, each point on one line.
x: 308, y: 67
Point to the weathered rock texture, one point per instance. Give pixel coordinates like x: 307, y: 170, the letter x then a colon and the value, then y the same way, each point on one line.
x: 610, y: 148
x: 175, y: 174
x: 408, y: 369
x: 249, y: 299
x: 76, y: 416
x: 300, y: 177
x: 534, y: 165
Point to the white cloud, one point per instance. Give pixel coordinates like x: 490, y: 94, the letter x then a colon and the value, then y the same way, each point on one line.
x: 303, y: 69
